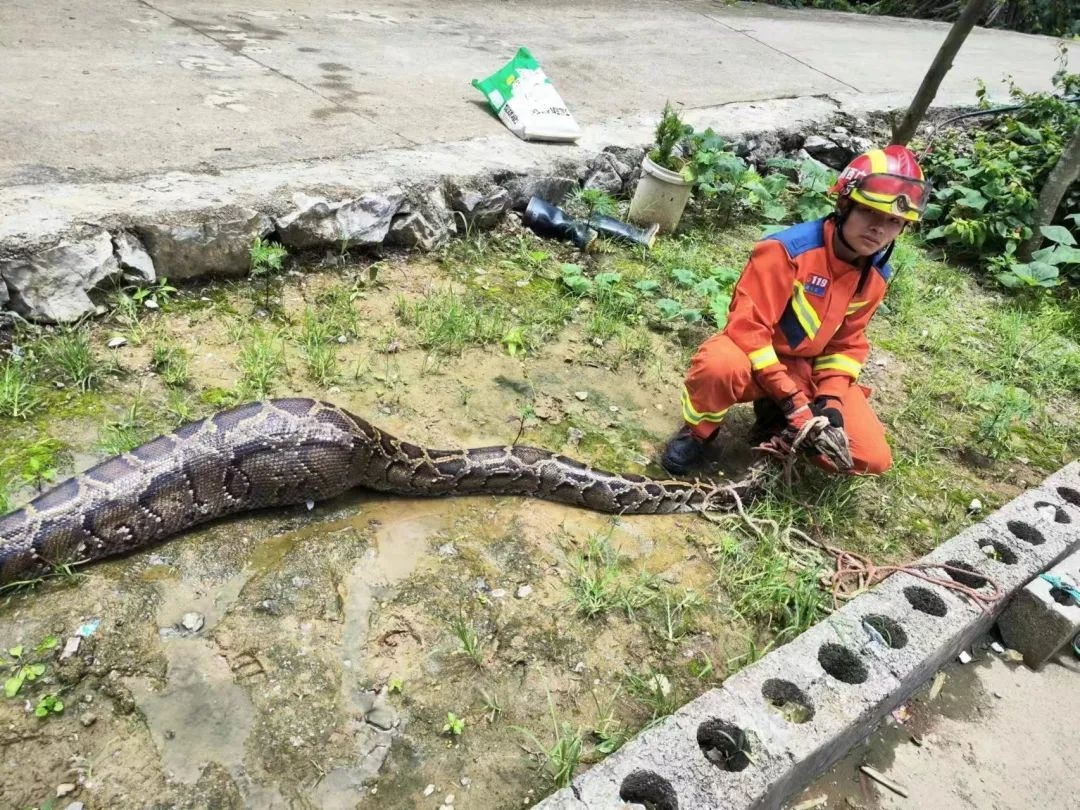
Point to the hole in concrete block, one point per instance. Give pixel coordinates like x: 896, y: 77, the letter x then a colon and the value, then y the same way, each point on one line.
x: 1047, y: 509
x: 1063, y: 597
x: 649, y: 789
x: 1026, y: 532
x: 998, y: 551
x: 1070, y: 494
x: 966, y: 575
x: 842, y: 663
x: 925, y: 600
x: 889, y: 629
x: 724, y: 745
x: 788, y: 700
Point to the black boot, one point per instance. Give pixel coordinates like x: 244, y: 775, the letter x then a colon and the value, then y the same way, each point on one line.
x: 617, y: 229
x: 770, y: 421
x: 551, y: 222
x: 684, y: 451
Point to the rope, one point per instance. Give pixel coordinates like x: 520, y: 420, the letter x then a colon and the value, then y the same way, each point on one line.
x: 848, y: 566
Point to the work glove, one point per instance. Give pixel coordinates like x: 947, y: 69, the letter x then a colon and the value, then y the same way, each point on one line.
x: 797, y: 411
x: 827, y: 407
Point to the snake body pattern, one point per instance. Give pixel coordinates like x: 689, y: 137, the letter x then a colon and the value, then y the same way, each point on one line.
x: 292, y: 451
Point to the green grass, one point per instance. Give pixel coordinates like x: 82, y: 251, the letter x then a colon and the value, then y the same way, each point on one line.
x: 171, y: 361
x: 559, y: 759
x: 261, y: 361
x: 19, y: 397
x: 447, y: 322
x: 70, y: 355
x: 470, y: 643
x: 129, y: 431
x: 318, y: 344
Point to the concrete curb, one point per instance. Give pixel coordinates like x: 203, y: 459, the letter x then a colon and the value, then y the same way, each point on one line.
x: 729, y: 749
x: 184, y: 226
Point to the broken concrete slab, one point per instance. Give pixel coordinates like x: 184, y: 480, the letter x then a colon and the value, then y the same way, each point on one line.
x: 319, y: 223
x: 210, y: 247
x: 133, y: 258
x: 1044, y: 618
x: 52, y: 285
x: 423, y: 222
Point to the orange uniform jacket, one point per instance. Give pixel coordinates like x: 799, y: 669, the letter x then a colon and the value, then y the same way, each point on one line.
x: 797, y: 299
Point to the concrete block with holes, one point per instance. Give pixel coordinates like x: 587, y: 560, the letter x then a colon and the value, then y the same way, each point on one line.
x: 1043, y: 619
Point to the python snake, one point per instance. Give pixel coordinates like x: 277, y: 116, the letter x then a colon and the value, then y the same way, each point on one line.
x: 291, y: 451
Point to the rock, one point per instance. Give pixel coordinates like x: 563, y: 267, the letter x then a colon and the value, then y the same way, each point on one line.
x: 382, y: 716
x: 582, y: 395
x: 74, y: 806
x: 5, y: 297
x: 116, y: 342
x: 65, y: 789
x: 498, y: 593
x: 429, y: 790
x: 210, y: 248
x: 192, y: 622
x: 552, y: 188
x: 71, y: 646
x: 447, y: 550
x: 88, y: 719
x: 828, y: 151
x: 52, y: 285
x: 268, y: 606
x: 133, y: 258
x: 607, y: 173
x: 449, y: 799
x: 465, y: 781
x: 425, y: 223
x: 318, y: 223
x: 479, y: 210
x: 523, y: 591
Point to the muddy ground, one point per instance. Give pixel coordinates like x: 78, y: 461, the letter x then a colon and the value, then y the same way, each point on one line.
x: 309, y: 658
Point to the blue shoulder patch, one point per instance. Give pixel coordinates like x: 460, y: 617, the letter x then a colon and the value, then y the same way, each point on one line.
x: 798, y: 239
x: 884, y: 269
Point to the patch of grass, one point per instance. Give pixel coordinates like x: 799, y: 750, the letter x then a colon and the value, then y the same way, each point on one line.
x: 655, y: 692
x: 170, y: 360
x: 124, y: 434
x: 446, y: 322
x: 70, y: 355
x: 19, y: 397
x: 559, y: 759
x: 318, y: 343
x: 31, y: 464
x: 470, y: 642
x: 261, y: 362
x: 674, y: 614
x: 596, y: 573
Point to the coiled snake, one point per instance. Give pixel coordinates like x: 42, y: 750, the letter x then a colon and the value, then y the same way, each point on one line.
x: 290, y: 451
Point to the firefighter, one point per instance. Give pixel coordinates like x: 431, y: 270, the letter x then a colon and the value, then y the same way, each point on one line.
x: 795, y: 339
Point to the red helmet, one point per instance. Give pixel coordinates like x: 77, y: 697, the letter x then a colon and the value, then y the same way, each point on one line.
x: 888, y: 180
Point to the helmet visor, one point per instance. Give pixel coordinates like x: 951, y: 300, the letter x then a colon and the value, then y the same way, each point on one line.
x: 902, y: 193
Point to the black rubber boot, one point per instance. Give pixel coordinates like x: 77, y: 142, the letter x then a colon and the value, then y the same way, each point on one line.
x: 770, y: 421
x: 682, y: 452
x: 617, y: 229
x: 551, y: 222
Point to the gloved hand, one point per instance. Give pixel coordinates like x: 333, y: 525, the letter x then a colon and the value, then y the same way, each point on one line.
x: 797, y: 411
x: 827, y: 407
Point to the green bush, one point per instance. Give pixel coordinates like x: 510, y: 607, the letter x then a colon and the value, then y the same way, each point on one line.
x: 987, y: 185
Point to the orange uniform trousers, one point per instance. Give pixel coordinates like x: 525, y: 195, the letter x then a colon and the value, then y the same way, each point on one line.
x: 720, y: 376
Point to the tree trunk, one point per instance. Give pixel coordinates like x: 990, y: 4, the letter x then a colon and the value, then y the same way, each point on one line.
x: 940, y: 66
x: 1065, y: 172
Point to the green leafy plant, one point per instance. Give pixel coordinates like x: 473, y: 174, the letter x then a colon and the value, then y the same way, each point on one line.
x: 395, y: 685
x: 454, y: 726
x: 26, y: 666
x: 48, y: 704
x: 469, y: 640
x: 70, y: 355
x: 266, y: 261
x: 670, y: 132
x: 170, y: 360
x: 1004, y: 407
x: 986, y: 184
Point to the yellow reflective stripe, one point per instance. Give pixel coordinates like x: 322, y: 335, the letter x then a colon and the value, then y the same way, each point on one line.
x: 855, y: 306
x: 806, y: 314
x: 694, y: 417
x: 838, y: 362
x: 763, y: 358
x: 879, y: 163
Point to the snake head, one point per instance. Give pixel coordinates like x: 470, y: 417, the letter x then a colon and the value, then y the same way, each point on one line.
x: 832, y: 442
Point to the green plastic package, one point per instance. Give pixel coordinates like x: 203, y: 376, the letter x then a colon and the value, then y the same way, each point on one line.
x: 526, y: 101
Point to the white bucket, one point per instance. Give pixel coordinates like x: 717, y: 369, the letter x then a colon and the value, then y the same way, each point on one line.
x: 660, y: 197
